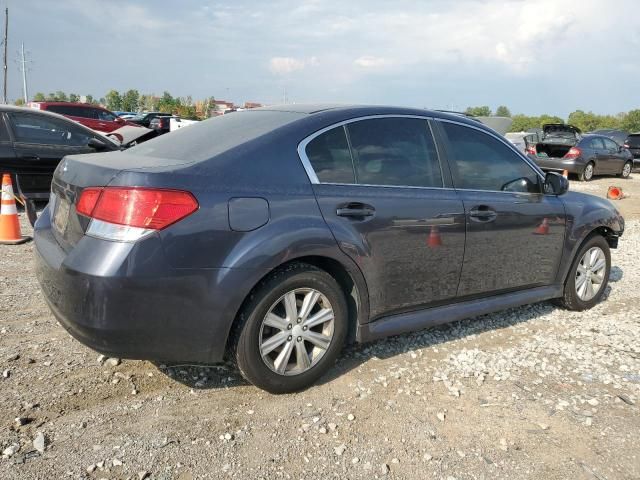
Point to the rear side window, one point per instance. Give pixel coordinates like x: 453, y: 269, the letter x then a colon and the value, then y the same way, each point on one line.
x: 330, y: 158
x: 596, y: 144
x: 394, y: 151
x: 481, y: 162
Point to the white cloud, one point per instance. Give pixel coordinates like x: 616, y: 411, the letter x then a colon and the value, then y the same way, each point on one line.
x: 369, y: 61
x: 286, y: 65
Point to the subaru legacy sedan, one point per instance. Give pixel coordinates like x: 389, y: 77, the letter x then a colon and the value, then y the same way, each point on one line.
x: 275, y: 236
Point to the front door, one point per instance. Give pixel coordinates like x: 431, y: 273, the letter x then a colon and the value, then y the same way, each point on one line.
x: 40, y: 142
x: 515, y: 233
x: 615, y: 157
x: 380, y: 188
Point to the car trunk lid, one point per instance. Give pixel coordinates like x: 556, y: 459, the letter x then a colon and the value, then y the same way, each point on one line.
x: 77, y: 172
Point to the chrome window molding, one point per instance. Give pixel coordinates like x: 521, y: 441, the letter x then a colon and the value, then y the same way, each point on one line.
x: 313, y: 178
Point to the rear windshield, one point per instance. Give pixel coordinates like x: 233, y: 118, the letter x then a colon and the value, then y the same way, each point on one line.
x: 633, y: 141
x: 211, y: 137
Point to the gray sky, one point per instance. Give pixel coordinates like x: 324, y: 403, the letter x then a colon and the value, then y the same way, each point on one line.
x: 534, y: 56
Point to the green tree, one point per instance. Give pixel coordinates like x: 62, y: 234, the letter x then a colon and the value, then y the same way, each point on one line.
x: 631, y: 121
x: 148, y: 103
x: 167, y: 104
x: 483, y: 111
x: 74, y: 97
x: 585, y: 121
x: 19, y: 102
x: 113, y: 100
x: 90, y: 100
x: 61, y: 96
x: 502, y: 111
x: 130, y: 100
x: 39, y: 97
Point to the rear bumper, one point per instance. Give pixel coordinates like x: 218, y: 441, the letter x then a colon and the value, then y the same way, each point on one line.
x: 121, y: 300
x: 559, y: 164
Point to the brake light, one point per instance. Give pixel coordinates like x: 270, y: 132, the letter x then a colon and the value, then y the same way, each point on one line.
x: 129, y: 213
x: 574, y: 152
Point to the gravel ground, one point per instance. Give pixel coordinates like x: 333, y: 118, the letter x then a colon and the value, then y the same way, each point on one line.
x: 534, y: 392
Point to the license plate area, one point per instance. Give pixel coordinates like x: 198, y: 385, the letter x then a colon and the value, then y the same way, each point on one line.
x: 61, y: 215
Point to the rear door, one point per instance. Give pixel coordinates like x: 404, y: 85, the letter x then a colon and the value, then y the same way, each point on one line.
x: 514, y: 232
x: 40, y: 141
x: 615, y: 157
x: 382, y: 191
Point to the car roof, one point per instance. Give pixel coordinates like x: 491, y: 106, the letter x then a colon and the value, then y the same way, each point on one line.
x: 71, y: 104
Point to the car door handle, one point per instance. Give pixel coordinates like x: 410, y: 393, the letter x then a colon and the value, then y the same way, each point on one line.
x: 355, y: 210
x: 482, y: 213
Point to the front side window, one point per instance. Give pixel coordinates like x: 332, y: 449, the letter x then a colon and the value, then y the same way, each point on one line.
x: 329, y: 156
x: 481, y: 162
x: 47, y: 131
x: 106, y: 116
x: 610, y: 144
x: 394, y: 151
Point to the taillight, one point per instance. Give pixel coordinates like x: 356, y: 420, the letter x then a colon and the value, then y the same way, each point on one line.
x: 130, y: 213
x: 574, y: 152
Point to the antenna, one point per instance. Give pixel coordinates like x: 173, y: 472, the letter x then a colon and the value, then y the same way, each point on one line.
x: 6, y: 34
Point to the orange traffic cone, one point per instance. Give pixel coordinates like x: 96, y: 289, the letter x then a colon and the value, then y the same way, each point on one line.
x: 615, y: 193
x: 9, y: 222
x: 543, y: 228
x: 434, y: 239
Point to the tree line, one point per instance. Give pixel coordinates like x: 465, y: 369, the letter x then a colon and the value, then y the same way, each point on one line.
x: 585, y: 121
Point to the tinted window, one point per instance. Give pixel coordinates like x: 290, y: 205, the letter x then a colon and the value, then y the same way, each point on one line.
x: 596, y: 144
x: 482, y: 162
x: 394, y: 151
x: 50, y: 131
x: 63, y: 110
x: 330, y: 158
x: 610, y: 144
x: 105, y: 116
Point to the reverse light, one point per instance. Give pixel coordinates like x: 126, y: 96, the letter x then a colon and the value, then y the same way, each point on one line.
x: 130, y: 213
x: 574, y: 152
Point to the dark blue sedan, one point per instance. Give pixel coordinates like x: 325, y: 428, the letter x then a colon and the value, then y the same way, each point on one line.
x: 274, y: 236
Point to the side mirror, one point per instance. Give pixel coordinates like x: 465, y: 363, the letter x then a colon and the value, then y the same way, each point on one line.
x: 119, y: 120
x: 555, y: 184
x: 96, y: 144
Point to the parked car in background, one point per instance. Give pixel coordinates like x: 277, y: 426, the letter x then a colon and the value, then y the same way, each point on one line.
x: 92, y: 116
x: 589, y: 155
x: 125, y: 114
x: 633, y: 144
x: 161, y: 124
x: 618, y: 136
x: 276, y: 235
x: 32, y: 142
x: 145, y: 118
x: 177, y: 123
x: 521, y: 140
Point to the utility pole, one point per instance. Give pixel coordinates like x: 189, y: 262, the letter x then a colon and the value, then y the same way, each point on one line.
x: 6, y: 34
x: 23, y: 67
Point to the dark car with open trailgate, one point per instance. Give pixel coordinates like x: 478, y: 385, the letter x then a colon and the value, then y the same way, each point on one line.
x: 273, y: 236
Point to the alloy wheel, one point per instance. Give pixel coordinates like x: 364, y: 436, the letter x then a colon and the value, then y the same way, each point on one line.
x: 590, y: 273
x: 626, y: 170
x: 588, y: 171
x: 296, y: 331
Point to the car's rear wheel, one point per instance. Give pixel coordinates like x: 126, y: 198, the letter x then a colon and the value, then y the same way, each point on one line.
x: 292, y: 329
x: 587, y: 173
x: 626, y: 170
x: 589, y: 275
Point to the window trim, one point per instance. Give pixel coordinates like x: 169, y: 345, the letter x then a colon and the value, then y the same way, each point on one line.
x: 504, y: 141
x: 313, y: 178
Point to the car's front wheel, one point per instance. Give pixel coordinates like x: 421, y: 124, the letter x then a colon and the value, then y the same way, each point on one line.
x: 589, y: 275
x: 587, y: 173
x: 292, y: 329
x: 626, y: 170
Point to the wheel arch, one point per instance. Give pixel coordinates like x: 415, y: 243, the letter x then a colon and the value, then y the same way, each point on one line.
x: 349, y: 278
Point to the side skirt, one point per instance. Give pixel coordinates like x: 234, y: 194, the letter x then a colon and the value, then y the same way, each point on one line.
x: 413, y: 321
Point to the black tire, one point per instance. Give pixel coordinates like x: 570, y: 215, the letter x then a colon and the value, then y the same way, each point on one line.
x: 570, y: 299
x: 626, y: 169
x: 245, y: 347
x: 585, y: 176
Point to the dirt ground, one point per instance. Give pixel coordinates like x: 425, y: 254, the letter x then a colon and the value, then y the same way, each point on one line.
x: 535, y: 392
